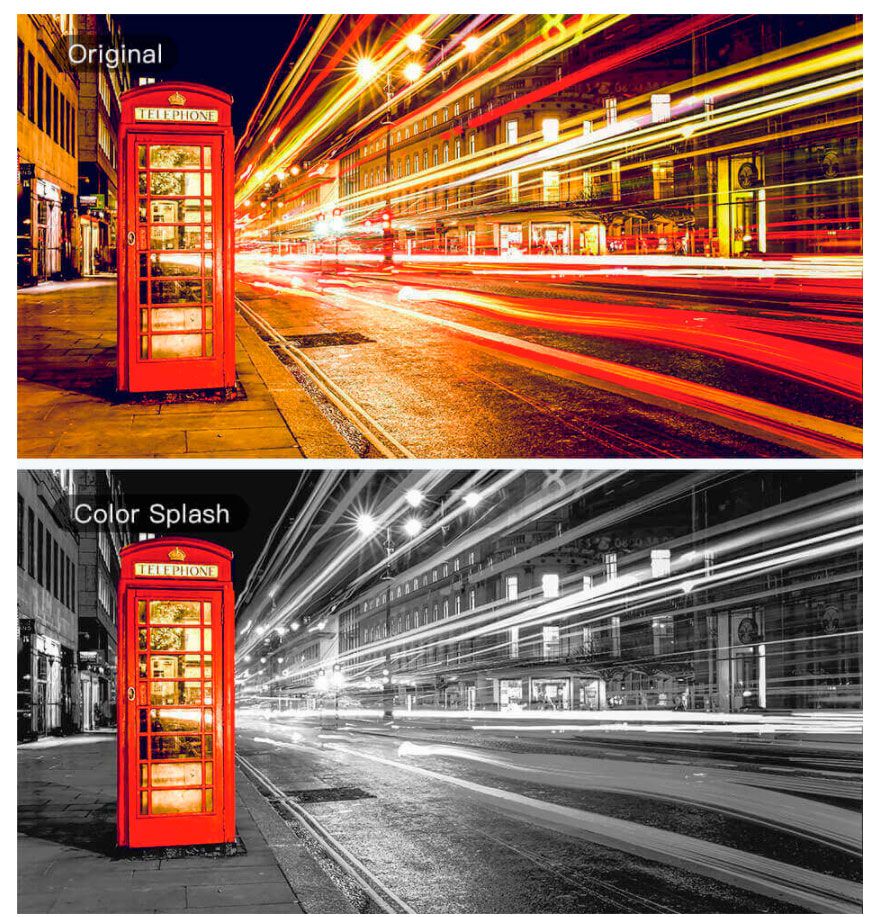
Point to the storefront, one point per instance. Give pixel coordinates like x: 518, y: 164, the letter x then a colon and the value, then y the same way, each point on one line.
x: 550, y: 238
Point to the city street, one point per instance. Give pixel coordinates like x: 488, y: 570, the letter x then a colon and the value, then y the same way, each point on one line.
x: 561, y: 359
x: 559, y: 820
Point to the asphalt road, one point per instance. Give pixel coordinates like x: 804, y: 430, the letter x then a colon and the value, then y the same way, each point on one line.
x: 455, y: 363
x: 517, y: 824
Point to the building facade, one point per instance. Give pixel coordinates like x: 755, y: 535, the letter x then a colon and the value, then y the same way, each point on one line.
x: 48, y: 696
x: 704, y: 591
x: 654, y: 135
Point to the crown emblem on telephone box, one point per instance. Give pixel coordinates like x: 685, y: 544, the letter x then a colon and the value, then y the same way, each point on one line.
x: 177, y: 99
x: 177, y: 554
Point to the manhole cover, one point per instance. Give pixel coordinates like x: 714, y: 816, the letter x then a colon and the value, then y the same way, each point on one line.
x: 329, y: 794
x: 334, y: 339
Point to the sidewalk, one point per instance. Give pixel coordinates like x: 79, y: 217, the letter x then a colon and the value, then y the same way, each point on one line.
x: 68, y: 862
x: 68, y: 407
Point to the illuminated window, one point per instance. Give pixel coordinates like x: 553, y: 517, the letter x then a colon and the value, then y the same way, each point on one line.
x: 708, y: 107
x: 471, y: 101
x: 472, y: 144
x: 434, y: 118
x: 550, y: 640
x: 586, y: 184
x: 455, y: 564
x: 550, y: 129
x: 514, y: 642
x: 663, y: 179
x: 550, y: 181
x: 416, y: 128
x: 446, y: 608
x: 446, y: 152
x: 550, y: 585
x: 445, y: 114
x: 610, y: 566
x: 610, y: 111
x: 615, y: 636
x: 416, y: 582
x: 434, y: 155
x: 587, y: 583
x: 425, y: 159
x: 660, y: 562
x: 511, y: 588
x: 471, y: 600
x: 514, y: 186
x: 458, y: 603
x: 416, y: 163
x: 663, y: 635
x: 456, y: 109
x: 660, y: 107
x: 587, y: 128
x: 511, y: 132
x: 615, y: 181
x: 458, y: 148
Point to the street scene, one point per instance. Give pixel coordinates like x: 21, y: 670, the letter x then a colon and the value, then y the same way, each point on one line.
x: 440, y: 691
x: 440, y: 236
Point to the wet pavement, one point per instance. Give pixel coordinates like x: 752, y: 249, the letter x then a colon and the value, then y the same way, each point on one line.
x: 458, y: 364
x: 501, y: 824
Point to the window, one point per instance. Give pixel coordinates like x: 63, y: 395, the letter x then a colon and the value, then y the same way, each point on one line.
x: 587, y: 128
x: 434, y: 155
x: 471, y: 558
x: 425, y: 159
x: 708, y: 108
x: 455, y: 564
x: 31, y: 538
x: 31, y: 93
x: 550, y: 585
x: 456, y: 109
x: 416, y: 128
x: 55, y: 582
x: 663, y: 635
x: 458, y: 603
x: 511, y: 588
x: 472, y: 144
x: 550, y: 640
x: 615, y: 181
x: 610, y: 112
x: 471, y: 101
x: 48, y: 93
x: 457, y: 148
x: 40, y: 550
x: 514, y: 642
x: 434, y: 118
x: 416, y: 163
x: 663, y: 179
x: 586, y: 185
x: 587, y: 583
x: 615, y: 636
x: 471, y: 600
x: 446, y: 152
x: 550, y: 182
x: 610, y: 568
x: 660, y: 107
x: 416, y: 582
x: 445, y: 114
x: 550, y: 129
x: 446, y: 608
x: 21, y: 83
x: 511, y: 132
x: 660, y: 562
x: 21, y: 533
x: 514, y: 187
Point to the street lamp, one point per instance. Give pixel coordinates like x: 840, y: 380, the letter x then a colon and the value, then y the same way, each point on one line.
x: 472, y: 499
x: 413, y: 527
x: 414, y: 497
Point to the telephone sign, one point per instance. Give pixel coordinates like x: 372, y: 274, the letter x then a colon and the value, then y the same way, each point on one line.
x: 176, y: 319
x: 176, y: 779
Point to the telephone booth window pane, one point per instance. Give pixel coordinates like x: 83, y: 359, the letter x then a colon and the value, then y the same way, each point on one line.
x: 176, y: 747
x: 209, y: 772
x: 207, y: 157
x: 143, y: 775
x: 143, y: 292
x: 143, y: 748
x: 206, y: 635
x: 143, y: 348
x: 208, y: 291
x: 143, y: 182
x: 170, y: 291
x: 181, y: 184
x: 179, y: 319
x: 175, y: 639
x: 141, y: 152
x: 206, y: 666
x: 187, y: 666
x: 180, y: 720
x: 209, y: 318
x: 174, y: 802
x: 172, y: 346
x: 143, y: 803
x: 143, y: 211
x: 209, y: 719
x: 209, y: 750
x: 140, y: 611
x: 209, y: 351
x: 206, y: 694
x: 143, y: 666
x: 175, y: 237
x: 206, y: 184
x: 206, y: 237
x: 174, y: 612
x: 175, y: 265
x: 143, y: 638
x: 209, y: 800
x: 175, y: 157
x: 143, y: 320
x: 173, y: 693
x: 176, y: 774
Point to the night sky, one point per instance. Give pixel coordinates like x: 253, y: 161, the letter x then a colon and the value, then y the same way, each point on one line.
x: 230, y: 52
x: 265, y: 492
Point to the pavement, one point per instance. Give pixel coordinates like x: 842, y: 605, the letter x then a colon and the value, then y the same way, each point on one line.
x: 68, y: 862
x: 68, y: 406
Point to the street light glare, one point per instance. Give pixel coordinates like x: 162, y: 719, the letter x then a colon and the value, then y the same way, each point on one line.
x: 413, y: 527
x: 366, y: 69
x: 472, y: 499
x: 472, y: 43
x: 414, y: 41
x: 413, y: 71
x: 414, y: 497
x: 366, y: 524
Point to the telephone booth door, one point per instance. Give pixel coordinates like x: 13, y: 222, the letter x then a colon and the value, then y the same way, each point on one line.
x: 175, y: 240
x: 175, y: 696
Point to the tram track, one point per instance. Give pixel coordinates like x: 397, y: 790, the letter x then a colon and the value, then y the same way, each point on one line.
x: 364, y: 429
x: 366, y: 882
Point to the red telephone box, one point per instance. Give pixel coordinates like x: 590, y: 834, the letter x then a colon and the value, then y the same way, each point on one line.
x: 176, y: 318
x: 176, y: 735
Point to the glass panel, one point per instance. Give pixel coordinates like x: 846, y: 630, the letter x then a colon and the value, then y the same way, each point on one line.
x: 143, y: 182
x: 208, y: 291
x: 176, y: 265
x: 208, y: 264
x: 176, y: 747
x: 143, y: 666
x: 206, y: 606
x: 140, y: 606
x: 180, y: 183
x: 206, y: 696
x: 172, y: 693
x: 143, y: 211
x: 206, y: 667
x: 143, y: 803
x: 206, y: 634
x: 209, y: 351
x: 185, y: 210
x: 166, y: 612
x: 143, y: 748
x: 143, y: 775
x: 143, y: 265
x: 143, y: 291
x: 206, y: 157
x: 141, y: 154
x: 206, y: 184
x: 176, y: 774
x: 167, y: 291
x: 171, y: 802
x: 209, y: 768
x: 208, y: 745
x: 174, y: 638
x: 181, y: 720
x: 206, y: 237
x: 143, y: 321
x: 177, y: 319
x: 171, y: 346
x: 143, y: 719
x: 209, y: 719
x: 209, y: 320
x: 143, y: 638
x: 179, y: 666
x: 175, y: 157
x: 143, y: 348
x: 209, y: 800
x: 176, y: 237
